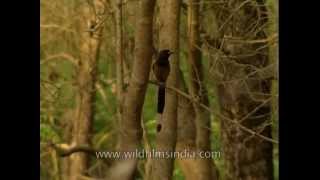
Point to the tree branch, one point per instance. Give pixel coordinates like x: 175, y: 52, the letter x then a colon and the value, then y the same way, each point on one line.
x: 64, y: 150
x: 250, y: 131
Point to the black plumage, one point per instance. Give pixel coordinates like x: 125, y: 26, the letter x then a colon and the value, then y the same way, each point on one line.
x: 161, y: 70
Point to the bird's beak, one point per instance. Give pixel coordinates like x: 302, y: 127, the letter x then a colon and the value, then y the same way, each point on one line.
x: 171, y: 52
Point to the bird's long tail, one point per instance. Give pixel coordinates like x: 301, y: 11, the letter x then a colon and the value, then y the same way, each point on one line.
x: 161, y: 99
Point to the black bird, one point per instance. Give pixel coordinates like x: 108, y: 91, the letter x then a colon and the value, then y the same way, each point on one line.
x: 161, y: 70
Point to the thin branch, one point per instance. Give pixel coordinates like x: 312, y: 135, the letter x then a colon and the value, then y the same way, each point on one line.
x: 271, y: 38
x: 233, y: 13
x: 254, y: 110
x: 252, y: 132
x: 55, y: 26
x: 65, y: 56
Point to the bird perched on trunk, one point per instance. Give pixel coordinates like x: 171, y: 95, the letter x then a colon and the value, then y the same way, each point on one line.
x: 161, y: 70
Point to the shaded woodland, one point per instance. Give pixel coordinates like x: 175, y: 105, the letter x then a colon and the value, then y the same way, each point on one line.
x: 98, y: 91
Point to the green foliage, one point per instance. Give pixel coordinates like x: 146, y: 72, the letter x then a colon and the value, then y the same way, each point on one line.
x: 48, y: 133
x: 177, y: 173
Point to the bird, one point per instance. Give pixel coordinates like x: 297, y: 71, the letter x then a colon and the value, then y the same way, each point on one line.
x: 161, y: 70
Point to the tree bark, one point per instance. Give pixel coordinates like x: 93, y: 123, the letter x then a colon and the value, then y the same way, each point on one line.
x: 120, y: 57
x: 86, y: 78
x: 67, y: 136
x: 244, y: 96
x: 130, y: 125
x: 206, y: 168
x: 186, y: 132
x: 169, y: 39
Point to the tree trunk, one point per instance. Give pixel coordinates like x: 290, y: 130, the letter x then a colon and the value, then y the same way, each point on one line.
x: 206, y: 168
x: 86, y: 78
x: 166, y: 137
x: 120, y: 57
x: 130, y: 125
x: 244, y: 96
x: 67, y: 136
x: 186, y: 132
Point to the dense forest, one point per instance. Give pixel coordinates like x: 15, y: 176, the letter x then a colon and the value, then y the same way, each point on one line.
x: 173, y: 76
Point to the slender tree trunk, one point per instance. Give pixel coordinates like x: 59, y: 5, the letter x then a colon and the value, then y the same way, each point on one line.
x: 162, y: 169
x: 67, y: 136
x: 130, y: 126
x: 120, y: 57
x: 244, y: 96
x: 86, y: 78
x: 206, y: 169
x: 186, y: 132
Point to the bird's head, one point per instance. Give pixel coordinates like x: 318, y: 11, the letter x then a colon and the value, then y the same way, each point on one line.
x: 165, y: 53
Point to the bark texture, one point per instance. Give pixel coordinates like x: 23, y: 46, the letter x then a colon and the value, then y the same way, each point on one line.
x: 66, y: 119
x: 130, y: 125
x: 186, y: 132
x: 86, y: 78
x: 206, y: 168
x: 120, y: 58
x: 169, y: 18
